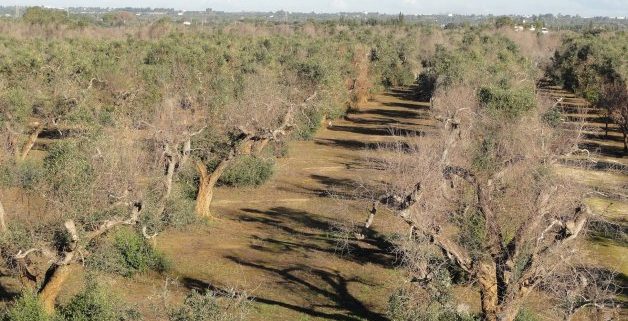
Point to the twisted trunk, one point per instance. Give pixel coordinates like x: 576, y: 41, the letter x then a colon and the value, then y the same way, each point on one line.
x: 488, y: 290
x: 55, y: 279
x: 206, y: 186
x: 62, y: 268
x: 59, y: 271
x: 32, y: 138
x: 169, y: 177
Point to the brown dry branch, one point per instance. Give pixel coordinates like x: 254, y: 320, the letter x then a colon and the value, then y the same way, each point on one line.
x: 482, y: 191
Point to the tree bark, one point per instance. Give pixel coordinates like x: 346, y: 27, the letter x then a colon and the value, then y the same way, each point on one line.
x: 3, y: 226
x: 206, y: 186
x: 31, y: 141
x: 52, y: 287
x: 488, y: 290
x: 169, y: 176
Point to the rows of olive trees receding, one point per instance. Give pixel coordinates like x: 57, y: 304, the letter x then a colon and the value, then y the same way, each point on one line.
x: 484, y: 207
x: 595, y: 66
x: 110, y: 137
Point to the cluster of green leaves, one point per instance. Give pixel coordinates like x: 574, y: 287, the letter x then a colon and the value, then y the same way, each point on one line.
x: 395, y: 59
x: 126, y: 253
x: 587, y: 61
x: 480, y: 59
x: 248, y: 171
x: 113, y: 82
x: 510, y: 102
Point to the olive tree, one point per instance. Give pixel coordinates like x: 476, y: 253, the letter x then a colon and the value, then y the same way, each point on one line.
x: 91, y: 186
x: 265, y: 111
x: 483, y: 193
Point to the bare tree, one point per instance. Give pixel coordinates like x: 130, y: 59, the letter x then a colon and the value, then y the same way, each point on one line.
x: 482, y: 191
x: 578, y: 287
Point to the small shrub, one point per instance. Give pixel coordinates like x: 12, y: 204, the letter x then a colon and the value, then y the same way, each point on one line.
x: 27, y: 308
x: 95, y: 303
x: 248, y: 171
x: 24, y: 174
x: 553, y: 117
x: 526, y: 315
x: 137, y: 253
x: 509, y: 102
x: 309, y: 123
x: 403, y: 306
x: 28, y: 174
x: 209, y: 307
x: 179, y: 212
x: 127, y: 253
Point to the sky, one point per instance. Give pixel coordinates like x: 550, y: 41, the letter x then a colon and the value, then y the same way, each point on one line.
x: 585, y: 8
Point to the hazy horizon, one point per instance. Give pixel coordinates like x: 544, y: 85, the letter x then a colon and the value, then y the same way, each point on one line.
x: 585, y: 8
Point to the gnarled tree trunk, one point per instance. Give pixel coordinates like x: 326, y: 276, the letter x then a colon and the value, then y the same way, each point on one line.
x: 3, y: 225
x: 32, y: 138
x: 57, y: 275
x: 206, y: 186
x: 488, y: 290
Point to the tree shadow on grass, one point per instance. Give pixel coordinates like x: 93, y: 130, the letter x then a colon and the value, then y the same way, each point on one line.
x: 202, y: 287
x: 408, y: 93
x: 307, y: 234
x: 412, y: 106
x: 331, y: 285
x: 612, y: 151
x: 392, y: 113
x: 358, y: 144
x: 372, y: 131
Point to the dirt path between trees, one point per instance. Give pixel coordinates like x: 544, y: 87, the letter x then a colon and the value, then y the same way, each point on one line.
x: 276, y: 241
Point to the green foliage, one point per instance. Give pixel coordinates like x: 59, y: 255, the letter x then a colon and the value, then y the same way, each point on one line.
x: 127, y: 253
x: 67, y: 167
x: 310, y: 122
x: 24, y: 174
x: 45, y: 16
x: 507, y: 102
x: 472, y: 232
x: 504, y: 21
x: 15, y: 102
x: 248, y: 171
x: 210, y: 307
x: 179, y: 211
x: 95, y: 303
x: 42, y: 16
x: 481, y: 60
x: 526, y: 315
x: 27, y: 308
x: 585, y: 62
x: 553, y: 117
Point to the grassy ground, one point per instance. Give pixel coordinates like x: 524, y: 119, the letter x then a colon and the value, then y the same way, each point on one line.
x: 277, y: 242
